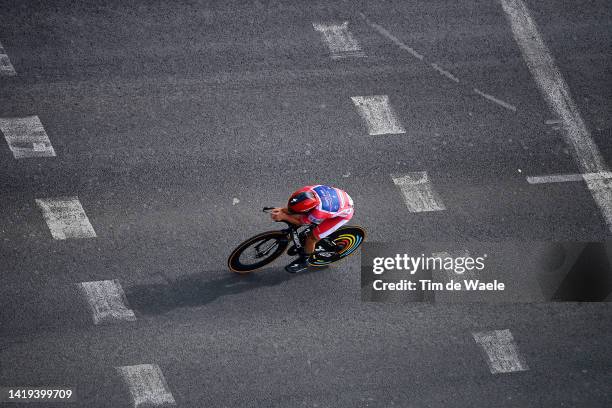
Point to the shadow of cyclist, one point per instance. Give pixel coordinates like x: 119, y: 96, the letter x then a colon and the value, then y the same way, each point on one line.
x: 196, y: 290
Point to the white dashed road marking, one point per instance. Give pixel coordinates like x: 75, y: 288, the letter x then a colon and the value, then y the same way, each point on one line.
x: 147, y: 385
x: 339, y: 40
x: 445, y: 72
x: 553, y: 122
x: 502, y: 352
x: 418, y: 192
x: 385, y: 33
x: 26, y: 137
x: 495, y: 100
x: 66, y: 218
x: 541, y: 63
x: 6, y: 68
x: 107, y: 301
x: 377, y: 113
x: 382, y: 31
x: 562, y: 178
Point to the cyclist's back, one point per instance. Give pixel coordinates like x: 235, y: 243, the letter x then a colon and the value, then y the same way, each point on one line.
x: 334, y: 209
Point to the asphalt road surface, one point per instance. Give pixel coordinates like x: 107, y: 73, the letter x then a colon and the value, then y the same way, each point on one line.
x: 174, y: 122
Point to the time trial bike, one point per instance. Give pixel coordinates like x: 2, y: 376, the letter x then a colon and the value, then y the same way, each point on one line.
x: 262, y: 249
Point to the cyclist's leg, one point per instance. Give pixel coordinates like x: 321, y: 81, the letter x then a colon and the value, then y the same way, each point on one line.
x: 309, y: 244
x: 328, y: 226
x: 320, y: 231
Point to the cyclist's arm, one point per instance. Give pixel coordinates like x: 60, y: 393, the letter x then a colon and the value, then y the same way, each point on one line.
x: 294, y: 219
x: 282, y: 214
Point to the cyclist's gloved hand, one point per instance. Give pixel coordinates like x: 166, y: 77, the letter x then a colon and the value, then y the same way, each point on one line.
x: 277, y: 214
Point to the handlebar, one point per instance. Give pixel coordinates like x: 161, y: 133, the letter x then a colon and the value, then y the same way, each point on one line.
x: 268, y: 209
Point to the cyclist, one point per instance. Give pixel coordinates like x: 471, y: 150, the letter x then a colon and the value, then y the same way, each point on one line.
x: 327, y: 207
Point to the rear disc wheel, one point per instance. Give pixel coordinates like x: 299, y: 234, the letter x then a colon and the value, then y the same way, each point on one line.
x: 346, y: 240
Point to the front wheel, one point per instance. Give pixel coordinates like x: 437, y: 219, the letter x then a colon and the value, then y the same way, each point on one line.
x: 258, y: 251
x: 346, y: 240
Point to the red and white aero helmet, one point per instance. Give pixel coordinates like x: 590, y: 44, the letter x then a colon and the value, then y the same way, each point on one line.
x: 302, y: 200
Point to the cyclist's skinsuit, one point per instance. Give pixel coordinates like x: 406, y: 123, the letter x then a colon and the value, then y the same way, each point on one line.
x: 335, y: 210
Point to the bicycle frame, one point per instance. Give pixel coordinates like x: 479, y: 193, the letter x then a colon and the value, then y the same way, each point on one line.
x: 292, y: 231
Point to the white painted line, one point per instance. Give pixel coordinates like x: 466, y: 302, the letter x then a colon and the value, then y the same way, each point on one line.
x: 601, y: 190
x: 553, y: 122
x: 340, y: 41
x: 107, y: 301
x: 66, y: 218
x: 418, y: 192
x: 495, y: 100
x: 147, y: 385
x: 556, y: 92
x: 382, y: 31
x: 540, y: 62
x: 502, y: 352
x: 562, y: 178
x: 445, y: 73
x: 378, y: 115
x: 6, y: 68
x: 26, y: 137
x: 554, y: 178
